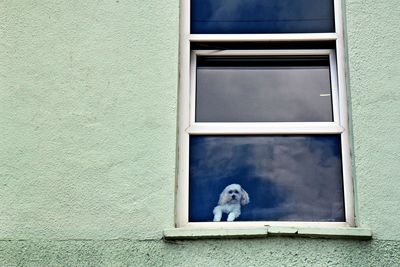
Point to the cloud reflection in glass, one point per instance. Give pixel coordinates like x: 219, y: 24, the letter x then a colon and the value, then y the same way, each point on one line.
x: 288, y: 178
x: 263, y: 94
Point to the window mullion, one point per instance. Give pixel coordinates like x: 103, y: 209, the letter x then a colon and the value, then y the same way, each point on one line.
x: 264, y: 128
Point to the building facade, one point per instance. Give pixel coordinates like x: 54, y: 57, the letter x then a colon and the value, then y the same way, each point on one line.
x: 89, y: 124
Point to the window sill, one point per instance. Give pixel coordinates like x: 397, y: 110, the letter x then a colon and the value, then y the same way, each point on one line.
x: 313, y: 232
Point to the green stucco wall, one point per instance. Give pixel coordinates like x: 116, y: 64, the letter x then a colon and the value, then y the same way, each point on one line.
x: 88, y: 105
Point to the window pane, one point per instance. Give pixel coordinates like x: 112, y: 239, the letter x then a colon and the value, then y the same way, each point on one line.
x: 260, y: 16
x: 288, y: 178
x: 263, y: 89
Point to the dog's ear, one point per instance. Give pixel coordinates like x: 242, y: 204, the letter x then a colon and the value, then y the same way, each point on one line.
x: 223, y: 198
x: 245, y: 199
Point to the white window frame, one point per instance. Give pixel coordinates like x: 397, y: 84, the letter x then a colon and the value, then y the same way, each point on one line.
x: 188, y: 126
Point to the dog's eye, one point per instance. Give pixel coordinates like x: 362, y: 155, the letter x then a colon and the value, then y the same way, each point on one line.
x: 236, y: 192
x: 230, y: 192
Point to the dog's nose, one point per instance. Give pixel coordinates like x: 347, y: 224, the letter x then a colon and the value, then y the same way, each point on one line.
x: 233, y: 196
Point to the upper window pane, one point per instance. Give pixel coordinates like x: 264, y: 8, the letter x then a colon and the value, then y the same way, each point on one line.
x: 262, y: 16
x: 263, y: 89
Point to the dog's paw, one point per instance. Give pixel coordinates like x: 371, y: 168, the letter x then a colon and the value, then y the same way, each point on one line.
x: 231, y: 217
x: 217, y: 219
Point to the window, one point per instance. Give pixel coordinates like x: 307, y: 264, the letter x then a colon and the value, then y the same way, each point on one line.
x: 263, y: 130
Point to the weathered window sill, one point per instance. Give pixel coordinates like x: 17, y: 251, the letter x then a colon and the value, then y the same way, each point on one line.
x: 338, y: 233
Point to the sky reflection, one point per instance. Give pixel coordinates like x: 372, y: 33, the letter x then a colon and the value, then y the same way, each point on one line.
x: 258, y: 16
x: 288, y: 178
x: 263, y: 94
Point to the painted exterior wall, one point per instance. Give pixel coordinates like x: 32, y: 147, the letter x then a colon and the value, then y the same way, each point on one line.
x: 88, y: 110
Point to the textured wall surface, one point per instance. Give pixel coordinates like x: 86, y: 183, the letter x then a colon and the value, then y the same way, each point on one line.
x: 88, y: 118
x: 88, y: 97
x: 257, y: 252
x: 374, y: 69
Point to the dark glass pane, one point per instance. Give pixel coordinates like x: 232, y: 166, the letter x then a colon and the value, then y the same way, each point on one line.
x: 262, y: 16
x: 263, y: 89
x: 263, y: 45
x: 288, y: 178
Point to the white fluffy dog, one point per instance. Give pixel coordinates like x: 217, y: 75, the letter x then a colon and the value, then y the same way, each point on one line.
x: 230, y: 201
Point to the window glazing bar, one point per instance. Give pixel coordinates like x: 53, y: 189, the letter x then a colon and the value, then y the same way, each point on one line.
x: 265, y: 128
x: 263, y: 37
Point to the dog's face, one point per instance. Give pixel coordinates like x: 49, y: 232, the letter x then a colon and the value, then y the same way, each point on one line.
x: 234, y: 194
